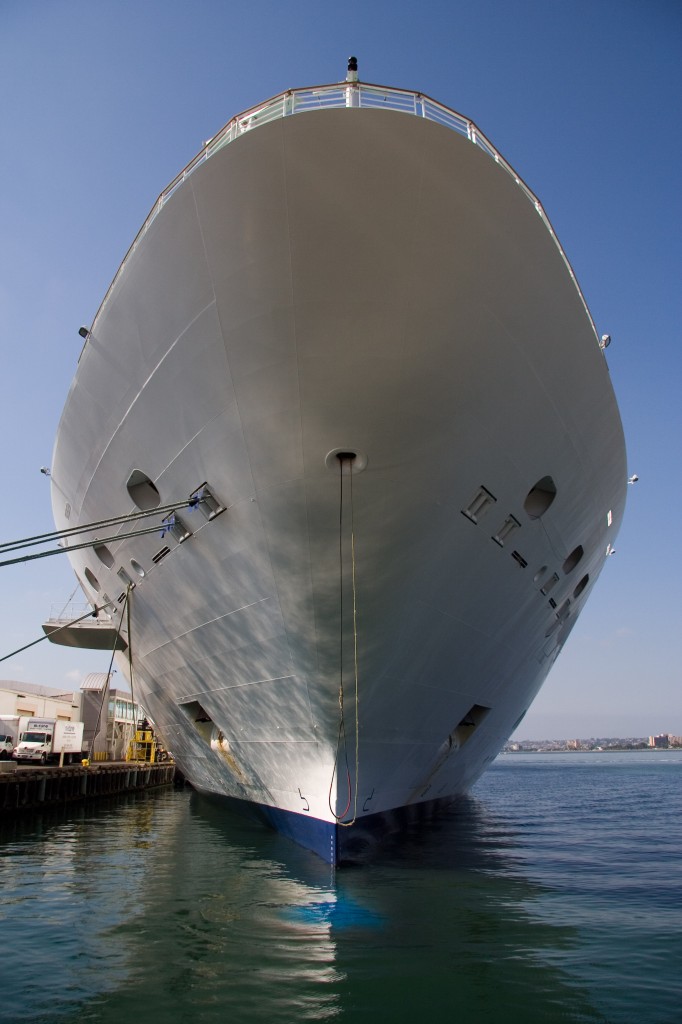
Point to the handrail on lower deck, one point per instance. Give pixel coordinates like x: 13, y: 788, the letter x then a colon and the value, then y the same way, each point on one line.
x: 346, y: 94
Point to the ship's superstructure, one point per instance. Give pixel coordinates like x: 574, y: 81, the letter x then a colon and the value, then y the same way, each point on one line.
x: 347, y: 360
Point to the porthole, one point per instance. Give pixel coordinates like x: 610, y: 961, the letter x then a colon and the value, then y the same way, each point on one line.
x: 92, y: 580
x: 143, y: 491
x: 540, y: 574
x: 104, y: 554
x: 573, y: 559
x: 136, y: 567
x: 581, y: 586
x: 540, y: 497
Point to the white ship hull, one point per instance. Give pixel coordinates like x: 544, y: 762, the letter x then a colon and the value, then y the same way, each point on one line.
x: 371, y: 282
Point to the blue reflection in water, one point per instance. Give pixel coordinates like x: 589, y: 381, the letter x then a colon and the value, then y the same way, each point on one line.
x: 341, y: 913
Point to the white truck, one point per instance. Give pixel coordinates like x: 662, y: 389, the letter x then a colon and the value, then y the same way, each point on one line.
x: 9, y: 728
x: 48, y: 740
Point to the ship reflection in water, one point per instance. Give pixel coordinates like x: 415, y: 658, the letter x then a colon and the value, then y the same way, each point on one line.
x: 173, y: 903
x: 340, y: 912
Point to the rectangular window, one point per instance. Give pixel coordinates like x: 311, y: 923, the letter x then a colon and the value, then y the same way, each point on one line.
x: 551, y: 582
x: 199, y: 718
x: 479, y: 505
x: 123, y: 575
x: 174, y: 525
x: 505, y: 531
x: 468, y: 725
x: 207, y: 503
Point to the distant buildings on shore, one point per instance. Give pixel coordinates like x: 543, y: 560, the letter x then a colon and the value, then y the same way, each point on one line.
x: 663, y: 741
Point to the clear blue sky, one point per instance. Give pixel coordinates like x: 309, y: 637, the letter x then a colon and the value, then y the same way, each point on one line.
x: 103, y: 102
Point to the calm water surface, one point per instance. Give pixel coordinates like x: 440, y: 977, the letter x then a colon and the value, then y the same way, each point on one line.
x: 553, y: 894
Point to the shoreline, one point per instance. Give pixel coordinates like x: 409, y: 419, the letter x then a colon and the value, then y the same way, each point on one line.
x: 594, y: 750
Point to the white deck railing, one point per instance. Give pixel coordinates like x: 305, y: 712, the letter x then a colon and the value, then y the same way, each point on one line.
x: 355, y: 94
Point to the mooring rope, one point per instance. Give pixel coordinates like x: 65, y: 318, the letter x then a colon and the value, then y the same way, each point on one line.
x: 111, y: 665
x: 130, y: 650
x: 352, y: 789
x: 69, y: 600
x: 341, y: 738
x: 355, y: 650
x: 80, y: 547
x: 69, y: 531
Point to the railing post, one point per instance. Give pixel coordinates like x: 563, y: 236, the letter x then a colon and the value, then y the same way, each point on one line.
x: 353, y: 95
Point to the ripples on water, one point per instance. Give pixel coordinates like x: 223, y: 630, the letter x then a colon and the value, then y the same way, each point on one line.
x: 554, y: 894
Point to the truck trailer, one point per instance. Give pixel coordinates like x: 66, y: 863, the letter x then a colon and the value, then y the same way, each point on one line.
x: 49, y: 740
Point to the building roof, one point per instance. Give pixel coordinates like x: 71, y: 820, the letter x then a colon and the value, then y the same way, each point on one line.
x: 14, y: 686
x: 95, y: 681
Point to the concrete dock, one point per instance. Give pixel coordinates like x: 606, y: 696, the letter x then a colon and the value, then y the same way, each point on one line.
x: 33, y: 788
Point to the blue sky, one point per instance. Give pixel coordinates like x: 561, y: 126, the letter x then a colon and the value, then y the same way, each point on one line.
x: 103, y: 102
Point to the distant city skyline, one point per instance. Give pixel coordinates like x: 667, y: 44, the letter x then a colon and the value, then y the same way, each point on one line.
x: 659, y: 742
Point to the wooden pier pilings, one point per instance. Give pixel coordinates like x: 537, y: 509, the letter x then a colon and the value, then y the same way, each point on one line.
x: 35, y: 788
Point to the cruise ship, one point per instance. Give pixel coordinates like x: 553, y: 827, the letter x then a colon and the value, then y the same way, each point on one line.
x: 350, y: 421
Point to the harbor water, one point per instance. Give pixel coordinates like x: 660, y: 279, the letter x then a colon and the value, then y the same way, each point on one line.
x: 553, y: 894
